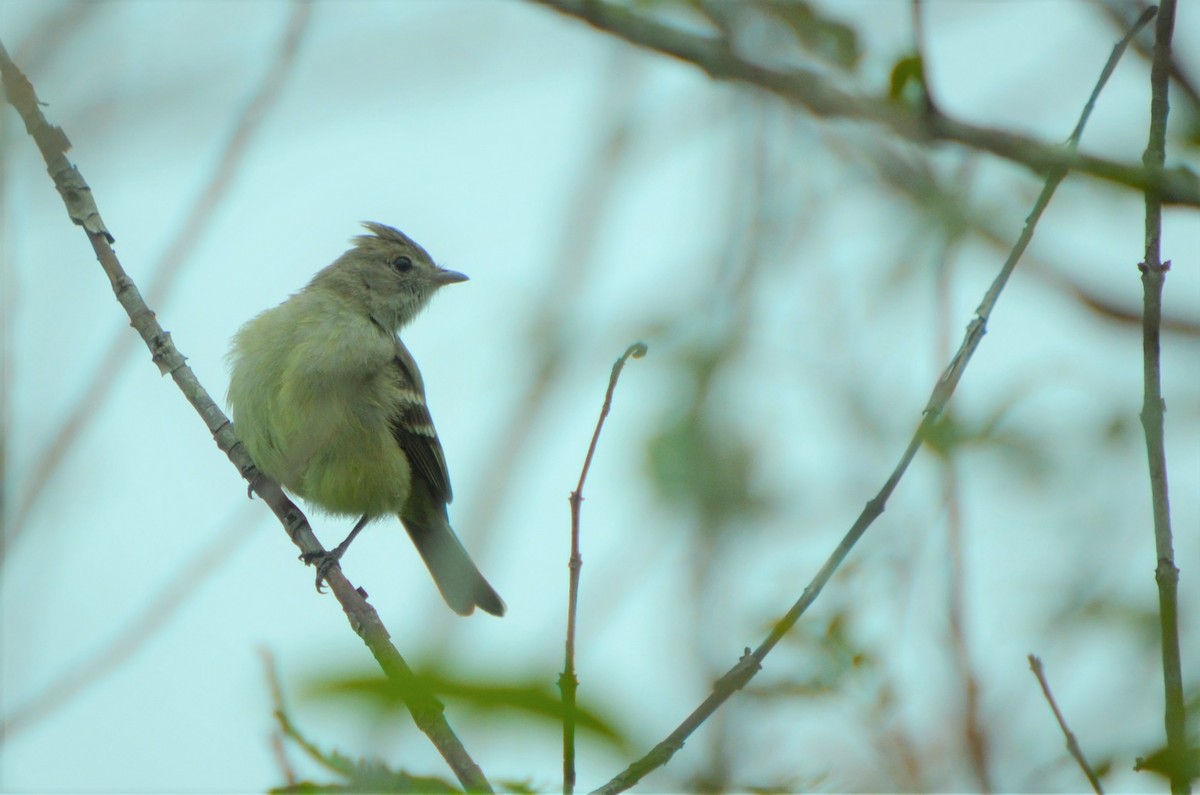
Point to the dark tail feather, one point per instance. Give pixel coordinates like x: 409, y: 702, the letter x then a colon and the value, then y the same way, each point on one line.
x: 461, y: 584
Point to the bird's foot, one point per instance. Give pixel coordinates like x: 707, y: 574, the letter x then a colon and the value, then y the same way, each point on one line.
x: 324, y: 561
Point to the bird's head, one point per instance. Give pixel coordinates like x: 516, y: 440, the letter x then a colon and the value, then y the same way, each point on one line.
x: 386, y: 274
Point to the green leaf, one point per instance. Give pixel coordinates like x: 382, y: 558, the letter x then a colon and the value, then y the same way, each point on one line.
x: 907, y: 83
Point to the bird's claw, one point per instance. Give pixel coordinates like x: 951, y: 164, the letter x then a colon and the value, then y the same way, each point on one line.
x: 324, y: 561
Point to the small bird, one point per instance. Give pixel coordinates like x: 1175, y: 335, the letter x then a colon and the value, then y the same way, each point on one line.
x: 329, y: 402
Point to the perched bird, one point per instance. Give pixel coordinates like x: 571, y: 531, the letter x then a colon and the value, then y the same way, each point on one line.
x: 329, y: 402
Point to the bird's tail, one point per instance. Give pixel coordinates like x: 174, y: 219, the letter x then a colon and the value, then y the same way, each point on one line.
x: 460, y: 582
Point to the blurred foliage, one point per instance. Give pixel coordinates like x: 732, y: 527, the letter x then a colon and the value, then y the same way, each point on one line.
x: 1190, y: 127
x: 1083, y: 606
x: 812, y: 29
x: 535, y: 698
x: 827, y: 657
x: 372, y: 776
x: 356, y: 775
x: 699, y: 461
x: 695, y: 462
x: 1022, y: 450
x: 830, y: 39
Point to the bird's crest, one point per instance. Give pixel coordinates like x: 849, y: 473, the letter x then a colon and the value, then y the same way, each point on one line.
x: 385, y: 233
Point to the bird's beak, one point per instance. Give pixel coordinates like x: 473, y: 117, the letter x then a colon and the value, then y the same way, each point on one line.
x: 444, y: 276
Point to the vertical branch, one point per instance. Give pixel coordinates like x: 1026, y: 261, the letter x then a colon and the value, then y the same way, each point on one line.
x: 1154, y: 272
x: 567, y: 681
x: 973, y: 727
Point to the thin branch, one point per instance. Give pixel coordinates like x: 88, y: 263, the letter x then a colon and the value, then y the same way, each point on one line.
x: 1035, y: 664
x: 912, y: 177
x: 751, y: 661
x: 974, y: 733
x: 288, y: 729
x: 567, y: 682
x: 1154, y: 272
x: 81, y: 207
x: 819, y: 96
x: 1120, y: 12
x: 197, y: 221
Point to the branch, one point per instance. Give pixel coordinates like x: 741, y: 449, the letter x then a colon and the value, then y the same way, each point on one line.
x: 1035, y: 665
x: 81, y: 207
x: 567, y: 682
x: 1154, y: 273
x: 198, y: 217
x: 814, y: 92
x: 751, y: 661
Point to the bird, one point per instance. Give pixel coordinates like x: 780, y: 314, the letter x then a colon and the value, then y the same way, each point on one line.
x: 330, y: 403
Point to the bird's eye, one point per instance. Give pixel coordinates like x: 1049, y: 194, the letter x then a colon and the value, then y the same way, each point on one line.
x: 403, y: 263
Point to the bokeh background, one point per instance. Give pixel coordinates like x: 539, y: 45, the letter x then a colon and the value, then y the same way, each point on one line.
x: 800, y: 284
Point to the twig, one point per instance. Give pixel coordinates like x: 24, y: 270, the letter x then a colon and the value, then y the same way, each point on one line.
x: 751, y: 661
x: 1154, y: 272
x: 567, y: 682
x: 198, y: 217
x: 1119, y: 13
x: 288, y: 729
x: 822, y: 98
x: 163, y: 606
x: 1035, y: 664
x: 81, y: 207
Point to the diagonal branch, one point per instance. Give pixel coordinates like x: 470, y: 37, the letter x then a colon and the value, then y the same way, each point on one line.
x: 819, y: 96
x: 1035, y: 664
x: 198, y: 218
x: 53, y: 144
x: 751, y: 661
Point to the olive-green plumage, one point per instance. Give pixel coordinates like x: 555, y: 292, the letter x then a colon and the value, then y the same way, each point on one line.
x: 330, y: 403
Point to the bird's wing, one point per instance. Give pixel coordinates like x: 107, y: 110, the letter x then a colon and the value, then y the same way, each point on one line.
x: 414, y: 432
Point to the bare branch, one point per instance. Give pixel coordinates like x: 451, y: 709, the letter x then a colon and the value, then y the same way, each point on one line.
x: 567, y: 682
x: 81, y: 207
x: 1035, y: 664
x: 1154, y: 273
x: 198, y: 217
x: 751, y: 661
x: 817, y: 94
